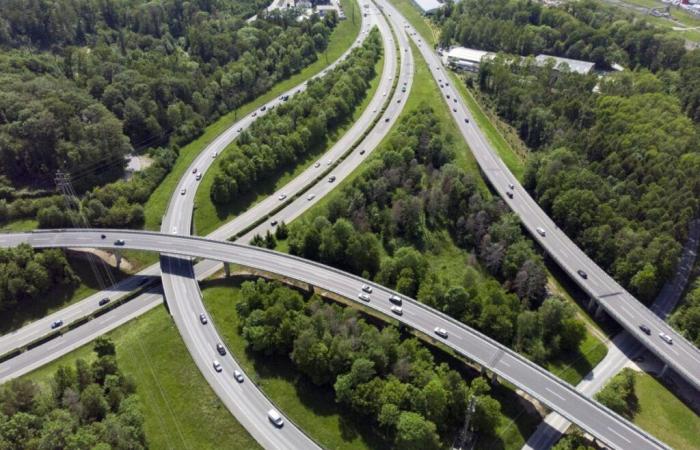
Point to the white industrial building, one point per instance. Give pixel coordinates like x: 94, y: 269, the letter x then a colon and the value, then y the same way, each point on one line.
x: 466, y: 58
x: 574, y: 65
x: 428, y: 6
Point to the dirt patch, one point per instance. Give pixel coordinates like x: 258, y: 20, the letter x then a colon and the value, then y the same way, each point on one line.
x: 107, y: 257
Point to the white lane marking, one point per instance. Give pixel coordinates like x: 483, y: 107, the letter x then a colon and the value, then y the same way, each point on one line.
x: 555, y: 394
x: 458, y: 337
x: 504, y: 363
x: 621, y: 436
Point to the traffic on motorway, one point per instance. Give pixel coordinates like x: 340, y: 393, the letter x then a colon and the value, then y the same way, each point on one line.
x: 604, y: 424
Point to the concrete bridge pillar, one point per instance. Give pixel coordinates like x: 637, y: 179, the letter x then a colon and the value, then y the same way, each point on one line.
x: 494, y: 379
x: 599, y: 311
x: 663, y: 370
x: 118, y: 258
x: 591, y: 303
x: 227, y: 269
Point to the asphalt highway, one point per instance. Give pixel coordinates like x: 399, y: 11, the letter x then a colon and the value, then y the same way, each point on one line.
x: 42, y: 327
x: 682, y: 356
x: 602, y: 423
x: 248, y: 404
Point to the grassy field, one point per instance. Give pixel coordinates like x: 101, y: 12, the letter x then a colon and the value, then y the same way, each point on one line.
x: 662, y: 414
x: 208, y: 216
x: 341, y: 39
x: 418, y: 20
x: 19, y: 225
x: 312, y: 408
x: 180, y: 410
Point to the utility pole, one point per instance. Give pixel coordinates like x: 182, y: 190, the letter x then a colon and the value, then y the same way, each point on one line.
x: 465, y: 439
x: 78, y: 219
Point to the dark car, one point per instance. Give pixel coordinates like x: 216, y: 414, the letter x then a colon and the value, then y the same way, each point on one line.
x: 104, y: 301
x: 56, y: 323
x: 220, y: 348
x: 509, y: 194
x: 645, y: 329
x: 203, y: 319
x: 582, y: 274
x: 119, y: 242
x: 103, y: 236
x: 466, y: 120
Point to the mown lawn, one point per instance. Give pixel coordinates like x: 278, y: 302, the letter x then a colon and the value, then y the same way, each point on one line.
x: 665, y: 416
x: 312, y: 408
x: 180, y: 410
x: 341, y: 39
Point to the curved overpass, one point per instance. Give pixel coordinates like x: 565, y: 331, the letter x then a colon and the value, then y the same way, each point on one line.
x: 682, y: 356
x: 602, y: 423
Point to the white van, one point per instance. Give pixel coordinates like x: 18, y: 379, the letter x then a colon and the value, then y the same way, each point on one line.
x: 275, y: 418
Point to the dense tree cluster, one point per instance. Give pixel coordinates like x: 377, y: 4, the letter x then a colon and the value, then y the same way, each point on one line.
x: 616, y: 169
x: 687, y: 317
x: 384, y: 222
x: 90, y: 405
x: 87, y: 81
x: 619, y: 394
x: 298, y: 126
x: 393, y: 382
x: 584, y: 29
x: 27, y: 275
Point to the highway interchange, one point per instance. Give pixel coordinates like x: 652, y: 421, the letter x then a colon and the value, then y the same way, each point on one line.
x: 621, y: 305
x: 605, y: 425
x: 248, y: 403
x: 682, y: 356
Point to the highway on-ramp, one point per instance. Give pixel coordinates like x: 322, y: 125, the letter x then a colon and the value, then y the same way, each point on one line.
x: 682, y: 356
x: 561, y: 397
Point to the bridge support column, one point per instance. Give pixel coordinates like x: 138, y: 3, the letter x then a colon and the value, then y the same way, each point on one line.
x: 118, y: 258
x: 663, y: 370
x: 599, y: 311
x: 227, y: 269
x: 591, y: 303
x: 494, y: 379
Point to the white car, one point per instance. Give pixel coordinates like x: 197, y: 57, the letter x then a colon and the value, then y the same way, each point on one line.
x: 238, y: 376
x: 329, y: 162
x: 217, y: 366
x: 215, y: 154
x: 441, y: 332
x: 174, y: 230
x: 397, y: 310
x: 282, y: 197
x: 367, y: 289
x: 183, y: 191
x: 395, y: 299
x: 668, y: 339
x: 275, y: 418
x: 198, y: 177
x: 310, y: 197
x: 317, y: 165
x: 363, y: 296
x: 541, y: 231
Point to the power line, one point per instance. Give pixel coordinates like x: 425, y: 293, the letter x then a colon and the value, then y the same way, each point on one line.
x: 101, y: 272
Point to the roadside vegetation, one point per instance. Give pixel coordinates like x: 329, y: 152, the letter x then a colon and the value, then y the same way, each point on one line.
x: 85, y: 405
x: 392, y: 390
x: 648, y: 403
x: 598, y: 145
x: 287, y: 137
x: 122, y: 78
x: 179, y: 408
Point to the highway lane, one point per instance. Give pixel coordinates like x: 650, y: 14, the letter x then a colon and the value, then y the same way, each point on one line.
x: 623, y: 346
x: 42, y: 327
x: 245, y: 401
x: 605, y: 425
x: 682, y: 356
